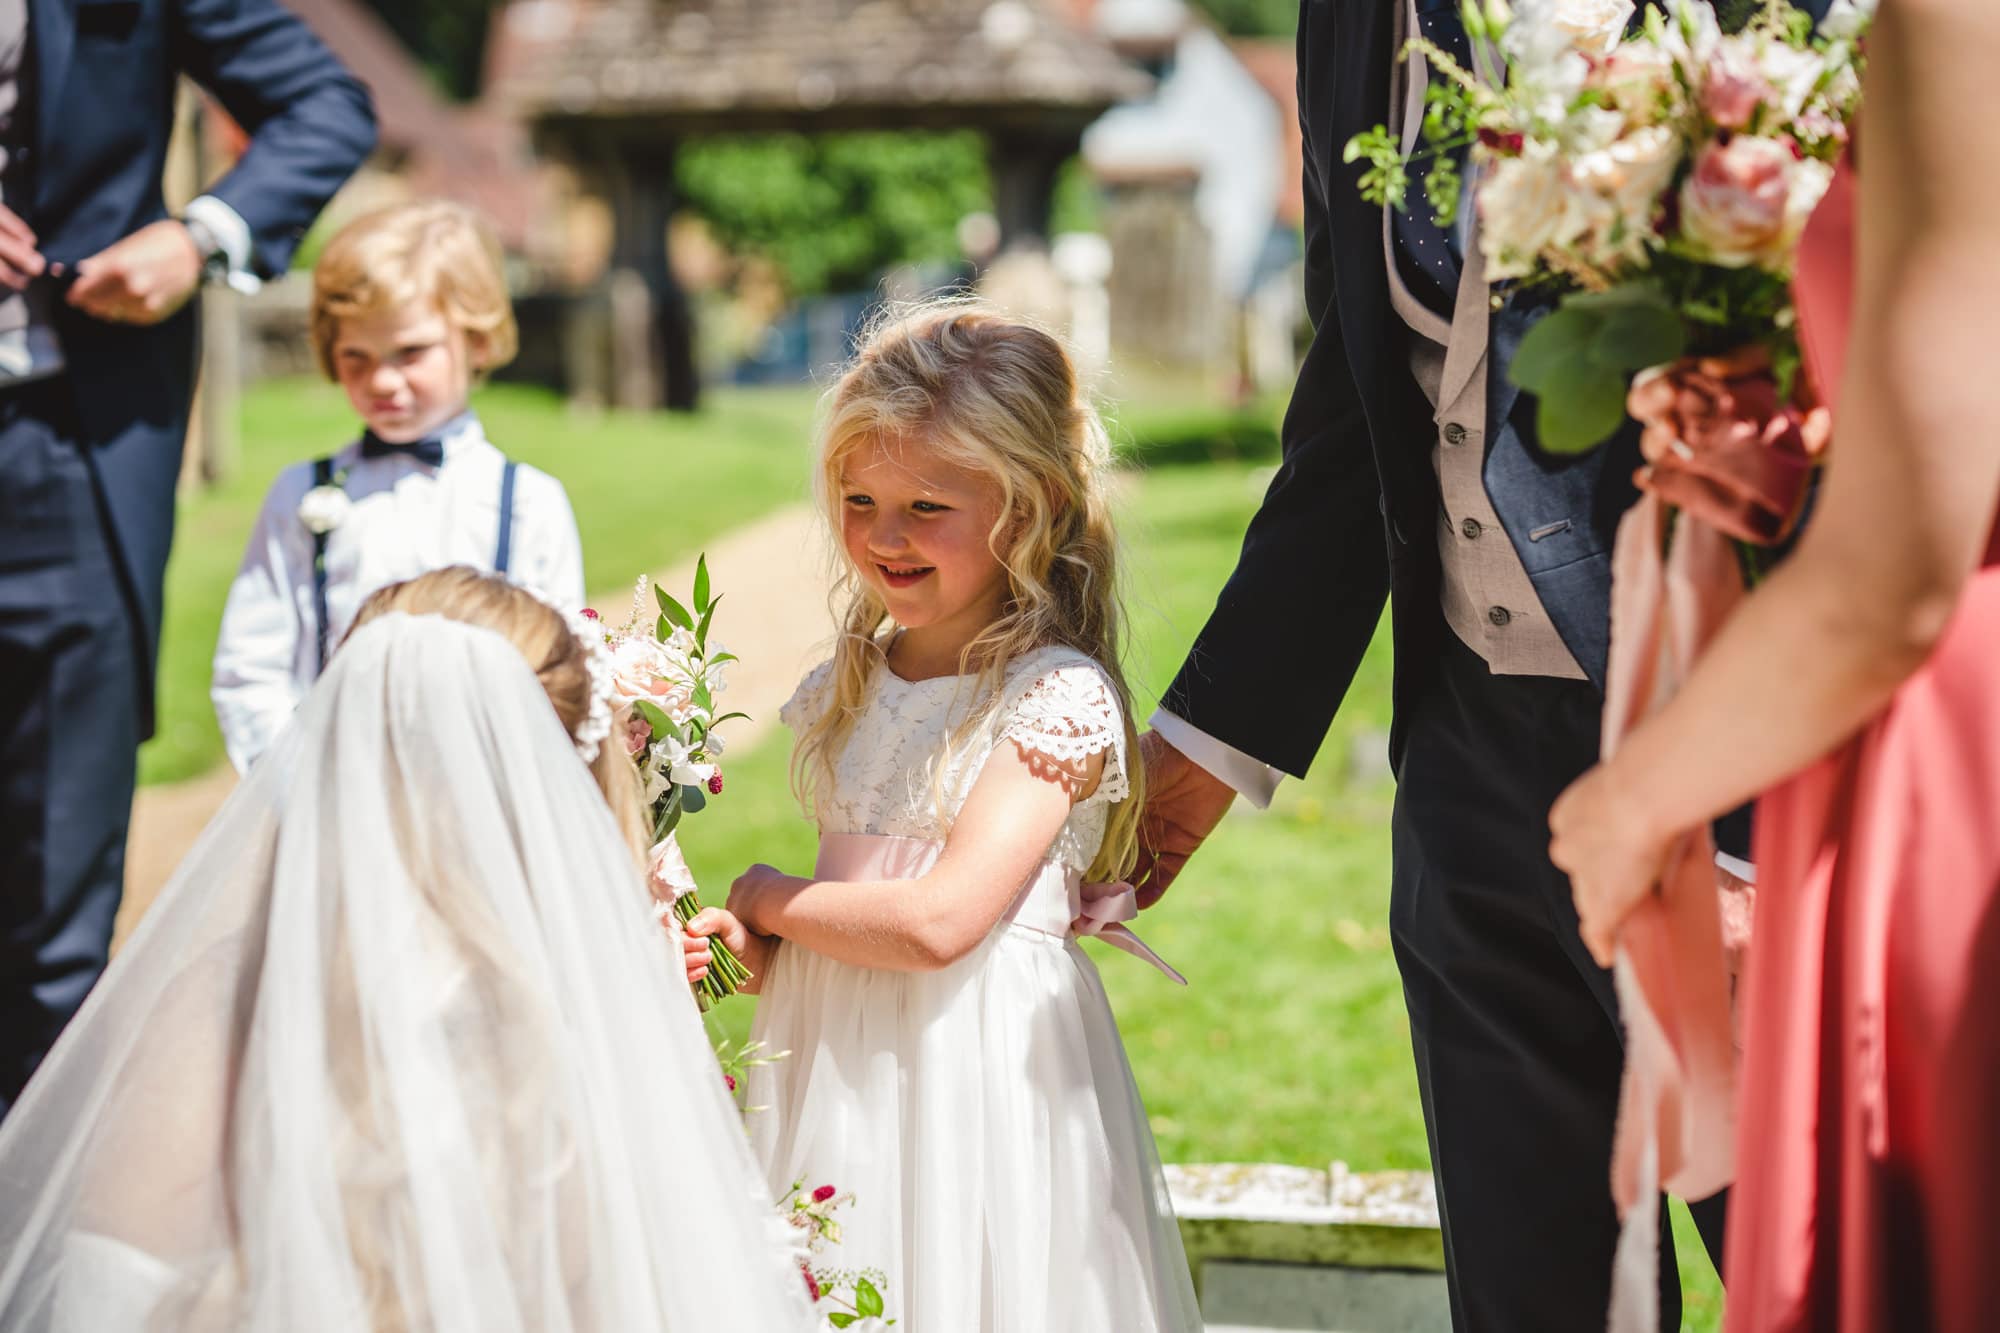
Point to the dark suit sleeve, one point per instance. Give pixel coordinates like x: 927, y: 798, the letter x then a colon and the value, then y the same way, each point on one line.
x: 1290, y: 627
x: 310, y: 122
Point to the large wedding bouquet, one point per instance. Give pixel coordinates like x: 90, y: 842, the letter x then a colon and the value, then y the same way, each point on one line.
x: 666, y: 676
x: 1655, y: 178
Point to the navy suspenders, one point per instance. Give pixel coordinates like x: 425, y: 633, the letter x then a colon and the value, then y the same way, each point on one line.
x: 322, y: 476
x: 503, y: 547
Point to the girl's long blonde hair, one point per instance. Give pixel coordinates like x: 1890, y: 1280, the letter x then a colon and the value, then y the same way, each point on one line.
x: 998, y: 395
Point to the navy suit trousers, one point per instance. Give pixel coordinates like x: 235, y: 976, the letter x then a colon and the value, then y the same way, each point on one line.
x: 69, y: 727
x: 1516, y: 1034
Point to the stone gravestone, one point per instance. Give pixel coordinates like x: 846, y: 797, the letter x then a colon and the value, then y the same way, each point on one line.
x: 1298, y: 1250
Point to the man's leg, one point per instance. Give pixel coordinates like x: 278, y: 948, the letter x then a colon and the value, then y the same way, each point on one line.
x: 1517, y: 1046
x: 68, y: 732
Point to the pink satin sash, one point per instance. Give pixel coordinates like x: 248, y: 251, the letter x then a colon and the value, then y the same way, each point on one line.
x: 1055, y: 901
x: 1676, y: 1117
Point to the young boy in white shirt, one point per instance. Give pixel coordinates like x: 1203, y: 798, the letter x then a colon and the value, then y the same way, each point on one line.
x: 409, y: 310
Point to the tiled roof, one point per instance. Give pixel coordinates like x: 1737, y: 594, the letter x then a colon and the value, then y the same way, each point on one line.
x: 827, y: 60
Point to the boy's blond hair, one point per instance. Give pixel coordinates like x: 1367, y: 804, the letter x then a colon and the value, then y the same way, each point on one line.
x: 426, y: 252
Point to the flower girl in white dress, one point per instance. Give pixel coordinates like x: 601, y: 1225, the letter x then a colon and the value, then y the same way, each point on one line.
x: 967, y: 751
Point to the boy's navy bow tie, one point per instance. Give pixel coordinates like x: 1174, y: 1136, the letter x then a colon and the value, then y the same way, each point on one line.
x: 429, y: 450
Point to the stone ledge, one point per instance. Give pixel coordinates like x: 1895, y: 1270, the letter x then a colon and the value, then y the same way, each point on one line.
x: 1299, y: 1215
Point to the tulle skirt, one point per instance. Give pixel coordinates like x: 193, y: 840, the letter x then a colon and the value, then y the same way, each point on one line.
x: 986, y: 1121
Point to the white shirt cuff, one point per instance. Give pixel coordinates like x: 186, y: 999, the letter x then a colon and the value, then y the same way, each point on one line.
x: 232, y: 233
x: 1737, y: 866
x: 1251, y: 778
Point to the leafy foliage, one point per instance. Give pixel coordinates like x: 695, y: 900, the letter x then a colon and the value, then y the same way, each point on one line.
x: 447, y: 36
x: 831, y: 211
x: 1253, y: 18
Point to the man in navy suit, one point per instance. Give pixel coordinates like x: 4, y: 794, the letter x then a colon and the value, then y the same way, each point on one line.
x: 97, y: 366
x: 1411, y: 473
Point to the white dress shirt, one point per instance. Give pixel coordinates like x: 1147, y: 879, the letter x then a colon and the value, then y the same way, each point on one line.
x: 405, y: 518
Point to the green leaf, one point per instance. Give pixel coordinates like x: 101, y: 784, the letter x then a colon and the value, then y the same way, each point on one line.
x: 726, y: 717
x: 701, y: 697
x: 720, y: 658
x: 840, y: 1319
x: 656, y: 717
x: 661, y: 629
x: 1637, y: 336
x: 1558, y: 338
x: 693, y: 800
x: 1582, y: 406
x: 867, y: 1300
x: 672, y: 609
x: 701, y: 630
x: 701, y: 582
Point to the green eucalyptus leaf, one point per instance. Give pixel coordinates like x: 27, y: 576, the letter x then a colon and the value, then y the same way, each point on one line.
x: 1637, y: 336
x: 701, y: 582
x: 1559, y: 338
x: 1582, y: 406
x: 693, y: 799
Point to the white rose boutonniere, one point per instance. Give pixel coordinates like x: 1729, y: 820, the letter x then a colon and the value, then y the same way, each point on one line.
x: 324, y: 508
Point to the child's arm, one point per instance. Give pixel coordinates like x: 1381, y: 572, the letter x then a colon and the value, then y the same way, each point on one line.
x: 557, y: 571
x: 1003, y: 834
x: 253, y: 685
x: 751, y: 950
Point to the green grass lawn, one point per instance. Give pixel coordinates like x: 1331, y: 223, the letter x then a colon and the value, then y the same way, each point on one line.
x: 1291, y: 1043
x: 648, y: 489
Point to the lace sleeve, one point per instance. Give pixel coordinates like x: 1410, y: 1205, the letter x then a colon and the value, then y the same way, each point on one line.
x: 809, y: 700
x: 1069, y: 713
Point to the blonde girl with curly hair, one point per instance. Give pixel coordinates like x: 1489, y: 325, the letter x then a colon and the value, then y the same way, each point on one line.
x: 967, y: 753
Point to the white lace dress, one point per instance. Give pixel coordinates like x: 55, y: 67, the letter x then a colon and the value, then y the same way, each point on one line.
x: 983, y: 1115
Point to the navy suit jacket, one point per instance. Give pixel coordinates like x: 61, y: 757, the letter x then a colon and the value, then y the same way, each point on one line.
x: 1352, y: 514
x: 104, y: 80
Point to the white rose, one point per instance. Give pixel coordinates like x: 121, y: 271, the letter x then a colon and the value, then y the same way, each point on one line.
x: 1629, y: 178
x: 1791, y: 73
x: 324, y: 508
x: 1523, y: 209
x: 1590, y: 26
x: 1845, y: 19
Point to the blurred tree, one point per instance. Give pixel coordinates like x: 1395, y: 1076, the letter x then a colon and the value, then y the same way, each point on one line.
x: 447, y: 36
x: 1253, y: 18
x: 832, y: 211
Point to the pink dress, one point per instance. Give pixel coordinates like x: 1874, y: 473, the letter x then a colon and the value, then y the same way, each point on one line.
x: 1868, y: 1157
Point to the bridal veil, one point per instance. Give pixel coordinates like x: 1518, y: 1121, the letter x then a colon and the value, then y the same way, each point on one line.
x: 400, y: 1047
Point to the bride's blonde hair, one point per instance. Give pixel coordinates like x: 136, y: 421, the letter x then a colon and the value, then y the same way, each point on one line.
x: 543, y: 638
x: 998, y: 395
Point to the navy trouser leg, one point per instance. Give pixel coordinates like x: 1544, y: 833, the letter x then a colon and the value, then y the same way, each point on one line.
x: 1514, y: 1028
x: 69, y: 730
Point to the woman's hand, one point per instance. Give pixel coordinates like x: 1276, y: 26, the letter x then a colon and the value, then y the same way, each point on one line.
x: 1613, y: 853
x: 751, y: 949
x: 758, y: 892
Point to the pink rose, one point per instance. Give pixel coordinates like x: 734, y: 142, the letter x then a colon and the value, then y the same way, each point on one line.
x: 1731, y: 95
x: 823, y: 1193
x: 1735, y: 201
x: 638, y: 731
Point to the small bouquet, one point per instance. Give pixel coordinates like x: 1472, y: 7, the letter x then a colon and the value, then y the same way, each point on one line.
x: 812, y: 1226
x: 666, y: 676
x: 1655, y: 180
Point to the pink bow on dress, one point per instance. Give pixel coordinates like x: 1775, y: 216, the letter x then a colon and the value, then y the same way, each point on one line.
x: 1106, y: 907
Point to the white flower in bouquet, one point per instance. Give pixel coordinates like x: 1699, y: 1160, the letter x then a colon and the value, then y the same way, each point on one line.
x: 1637, y: 80
x: 324, y: 508
x: 1791, y: 72
x: 1525, y: 209
x: 1747, y: 201
x: 681, y: 766
x: 1590, y: 26
x: 1624, y: 184
x: 1845, y: 19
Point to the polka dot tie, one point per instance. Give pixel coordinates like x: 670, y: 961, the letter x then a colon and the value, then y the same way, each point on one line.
x: 1427, y: 255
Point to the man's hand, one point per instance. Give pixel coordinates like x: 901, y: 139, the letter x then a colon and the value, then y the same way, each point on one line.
x: 1184, y: 803
x: 142, y: 279
x: 20, y: 261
